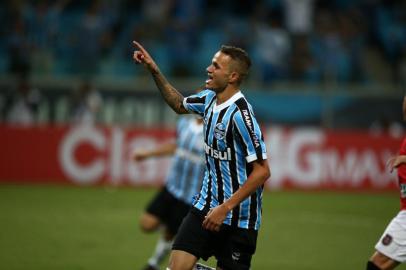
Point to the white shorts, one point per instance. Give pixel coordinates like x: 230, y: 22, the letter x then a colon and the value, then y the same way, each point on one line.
x: 393, y: 241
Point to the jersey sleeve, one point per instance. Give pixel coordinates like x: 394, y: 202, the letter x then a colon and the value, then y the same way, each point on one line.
x: 197, y: 103
x: 250, y: 133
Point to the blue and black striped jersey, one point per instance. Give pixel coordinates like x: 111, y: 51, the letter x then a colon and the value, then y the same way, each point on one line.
x: 232, y: 140
x: 187, y: 169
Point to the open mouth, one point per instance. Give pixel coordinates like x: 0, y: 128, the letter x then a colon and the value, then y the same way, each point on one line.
x: 209, y: 78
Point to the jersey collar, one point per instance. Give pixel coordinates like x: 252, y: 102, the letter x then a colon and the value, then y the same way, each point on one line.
x: 228, y: 102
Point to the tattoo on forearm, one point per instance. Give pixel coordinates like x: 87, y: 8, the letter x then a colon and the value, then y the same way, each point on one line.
x: 169, y: 93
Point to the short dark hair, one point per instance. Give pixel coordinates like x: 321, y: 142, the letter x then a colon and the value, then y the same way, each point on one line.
x: 240, y: 57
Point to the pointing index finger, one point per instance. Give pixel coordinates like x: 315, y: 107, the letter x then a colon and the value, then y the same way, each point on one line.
x: 138, y: 46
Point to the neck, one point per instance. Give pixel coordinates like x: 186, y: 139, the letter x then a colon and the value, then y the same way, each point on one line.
x: 226, y: 94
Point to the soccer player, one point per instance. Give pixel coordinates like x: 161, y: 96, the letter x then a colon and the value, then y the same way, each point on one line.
x: 226, y: 216
x: 173, y: 202
x: 391, y: 247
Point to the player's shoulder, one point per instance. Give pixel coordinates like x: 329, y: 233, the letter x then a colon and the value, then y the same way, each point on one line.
x: 206, y: 92
x: 202, y: 96
x: 242, y: 105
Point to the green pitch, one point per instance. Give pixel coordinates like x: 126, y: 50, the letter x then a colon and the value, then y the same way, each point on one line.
x: 71, y: 228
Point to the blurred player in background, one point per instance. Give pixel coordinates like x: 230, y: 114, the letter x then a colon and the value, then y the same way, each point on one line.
x: 391, y: 247
x: 173, y: 202
x: 226, y: 216
x: 24, y: 103
x: 87, y: 103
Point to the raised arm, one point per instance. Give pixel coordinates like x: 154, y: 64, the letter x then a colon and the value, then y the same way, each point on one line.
x: 172, y: 97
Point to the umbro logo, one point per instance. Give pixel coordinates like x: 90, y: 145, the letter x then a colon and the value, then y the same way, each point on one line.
x: 235, y: 256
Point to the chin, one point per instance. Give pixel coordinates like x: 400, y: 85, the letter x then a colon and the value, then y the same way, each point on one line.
x: 208, y: 87
x: 214, y: 89
x: 217, y: 90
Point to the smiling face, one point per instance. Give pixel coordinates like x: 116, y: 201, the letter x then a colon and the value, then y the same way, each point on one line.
x: 219, y: 73
x: 228, y: 69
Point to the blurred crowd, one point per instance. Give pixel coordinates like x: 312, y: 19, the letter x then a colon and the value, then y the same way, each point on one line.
x: 295, y: 40
x: 25, y: 105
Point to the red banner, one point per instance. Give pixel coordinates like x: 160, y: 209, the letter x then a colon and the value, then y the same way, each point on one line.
x: 318, y: 159
x: 89, y: 155
x: 84, y: 155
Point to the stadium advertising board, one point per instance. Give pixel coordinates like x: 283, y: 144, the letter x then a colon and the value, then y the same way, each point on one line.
x: 89, y: 155
x: 320, y: 159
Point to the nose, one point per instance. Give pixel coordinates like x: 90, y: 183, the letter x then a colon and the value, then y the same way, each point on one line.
x: 209, y: 68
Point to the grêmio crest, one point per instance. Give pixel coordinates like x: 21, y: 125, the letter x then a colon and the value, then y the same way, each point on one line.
x: 220, y: 131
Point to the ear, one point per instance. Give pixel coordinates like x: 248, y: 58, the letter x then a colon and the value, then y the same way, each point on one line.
x: 234, y: 77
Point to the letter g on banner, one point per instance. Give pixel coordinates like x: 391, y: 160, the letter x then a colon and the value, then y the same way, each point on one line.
x: 82, y: 173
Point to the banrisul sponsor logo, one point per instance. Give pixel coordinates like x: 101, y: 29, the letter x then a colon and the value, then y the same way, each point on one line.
x: 217, y: 154
x: 248, y: 121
